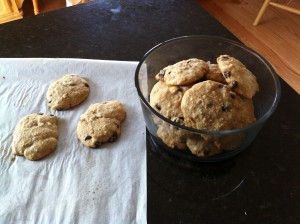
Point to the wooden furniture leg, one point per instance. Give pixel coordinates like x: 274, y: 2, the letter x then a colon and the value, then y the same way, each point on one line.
x: 284, y: 7
x: 281, y: 6
x: 35, y: 7
x: 261, y: 12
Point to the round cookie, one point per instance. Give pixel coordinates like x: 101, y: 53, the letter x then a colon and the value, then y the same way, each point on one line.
x: 101, y: 123
x: 93, y: 132
x: 210, y: 105
x: 172, y: 137
x: 184, y: 72
x: 35, y: 136
x: 215, y: 74
x: 67, y: 92
x: 167, y: 99
x: 240, y: 79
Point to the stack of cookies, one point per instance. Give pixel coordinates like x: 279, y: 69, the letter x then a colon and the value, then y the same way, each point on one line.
x: 204, y: 96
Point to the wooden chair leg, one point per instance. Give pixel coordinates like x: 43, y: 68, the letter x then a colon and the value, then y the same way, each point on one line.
x: 35, y: 7
x: 261, y: 12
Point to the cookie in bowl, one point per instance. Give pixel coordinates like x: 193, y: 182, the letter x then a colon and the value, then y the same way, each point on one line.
x: 224, y: 107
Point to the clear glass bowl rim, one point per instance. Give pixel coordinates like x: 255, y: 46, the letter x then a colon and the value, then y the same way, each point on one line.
x: 258, y: 122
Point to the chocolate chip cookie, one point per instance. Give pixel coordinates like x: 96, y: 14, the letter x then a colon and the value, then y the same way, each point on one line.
x: 201, y: 147
x: 35, y: 136
x: 209, y: 105
x: 240, y: 79
x: 184, y: 72
x: 172, y: 136
x: 101, y: 123
x: 215, y: 74
x: 166, y: 99
x: 67, y: 92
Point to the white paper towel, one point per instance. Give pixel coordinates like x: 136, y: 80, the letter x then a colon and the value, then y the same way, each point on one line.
x: 74, y: 184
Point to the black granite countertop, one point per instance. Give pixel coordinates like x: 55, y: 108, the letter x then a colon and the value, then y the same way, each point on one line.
x: 261, y: 185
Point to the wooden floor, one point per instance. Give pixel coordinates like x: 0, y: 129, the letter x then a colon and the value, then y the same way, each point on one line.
x: 276, y: 38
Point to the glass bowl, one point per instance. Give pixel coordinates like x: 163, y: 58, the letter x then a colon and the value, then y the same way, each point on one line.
x: 207, y: 48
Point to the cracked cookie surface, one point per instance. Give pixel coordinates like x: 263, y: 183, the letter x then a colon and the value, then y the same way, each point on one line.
x: 101, y: 123
x: 35, y: 136
x: 67, y: 92
x: 238, y: 77
x: 211, y: 105
x: 184, y: 72
x: 167, y: 99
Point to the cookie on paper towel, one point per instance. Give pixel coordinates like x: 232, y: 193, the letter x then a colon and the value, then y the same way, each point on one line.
x: 101, y: 123
x: 35, y: 136
x: 67, y: 92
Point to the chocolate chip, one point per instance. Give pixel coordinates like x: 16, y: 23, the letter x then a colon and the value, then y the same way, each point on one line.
x: 227, y: 74
x: 234, y: 83
x: 87, y: 137
x: 232, y: 95
x: 181, y: 118
x: 113, y: 137
x: 40, y: 114
x: 225, y: 107
x: 157, y: 106
x: 51, y: 115
x: 50, y: 101
x: 86, y: 85
x: 118, y: 126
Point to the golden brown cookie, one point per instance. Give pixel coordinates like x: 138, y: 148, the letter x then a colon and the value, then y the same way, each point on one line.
x: 238, y: 77
x: 172, y: 136
x: 101, y: 123
x: 108, y: 109
x: 210, y: 105
x: 167, y: 99
x: 92, y: 131
x: 67, y: 92
x: 184, y: 72
x: 215, y: 74
x: 201, y: 147
x: 35, y: 136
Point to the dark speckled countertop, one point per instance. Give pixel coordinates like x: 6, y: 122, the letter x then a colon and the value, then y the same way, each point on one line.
x: 261, y: 185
